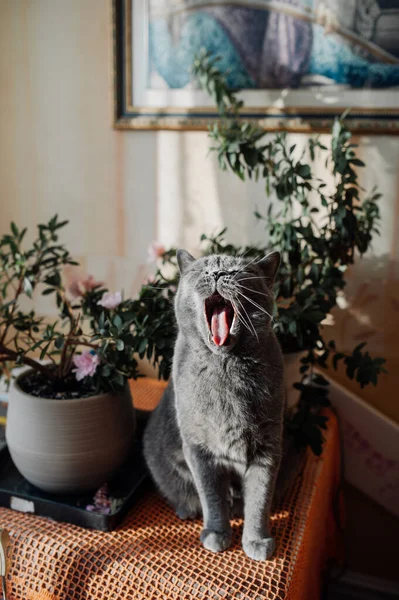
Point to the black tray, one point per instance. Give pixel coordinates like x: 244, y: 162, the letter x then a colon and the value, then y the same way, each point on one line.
x: 128, y: 483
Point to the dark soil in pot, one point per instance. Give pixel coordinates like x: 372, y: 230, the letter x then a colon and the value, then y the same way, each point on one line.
x: 36, y: 384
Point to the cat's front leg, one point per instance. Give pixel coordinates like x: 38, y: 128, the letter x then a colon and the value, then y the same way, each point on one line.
x: 212, y: 486
x: 259, y: 481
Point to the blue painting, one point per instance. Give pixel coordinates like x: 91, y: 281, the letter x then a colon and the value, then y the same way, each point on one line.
x: 273, y: 45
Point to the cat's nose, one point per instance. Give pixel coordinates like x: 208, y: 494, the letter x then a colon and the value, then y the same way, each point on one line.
x: 217, y: 274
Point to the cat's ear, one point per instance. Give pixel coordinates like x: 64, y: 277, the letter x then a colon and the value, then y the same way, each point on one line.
x: 184, y: 260
x: 269, y: 266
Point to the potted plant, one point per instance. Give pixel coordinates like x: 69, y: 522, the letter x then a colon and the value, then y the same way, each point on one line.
x: 70, y: 419
x: 318, y: 227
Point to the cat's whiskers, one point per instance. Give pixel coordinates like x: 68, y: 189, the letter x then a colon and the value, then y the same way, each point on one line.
x: 256, y: 305
x: 249, y: 319
x: 251, y: 290
x: 254, y: 260
x: 261, y: 308
x: 240, y: 317
x: 246, y: 251
x: 254, y: 277
x: 233, y: 291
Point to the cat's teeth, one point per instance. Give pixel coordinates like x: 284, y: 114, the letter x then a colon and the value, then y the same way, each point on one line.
x: 233, y: 323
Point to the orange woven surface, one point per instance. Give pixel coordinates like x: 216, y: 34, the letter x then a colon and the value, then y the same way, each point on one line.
x: 154, y: 555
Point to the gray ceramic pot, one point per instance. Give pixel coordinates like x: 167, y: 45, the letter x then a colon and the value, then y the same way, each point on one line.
x: 67, y: 446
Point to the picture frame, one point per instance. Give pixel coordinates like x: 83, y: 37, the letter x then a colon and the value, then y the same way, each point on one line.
x: 138, y: 104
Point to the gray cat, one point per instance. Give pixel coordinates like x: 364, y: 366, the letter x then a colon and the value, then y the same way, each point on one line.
x: 217, y: 432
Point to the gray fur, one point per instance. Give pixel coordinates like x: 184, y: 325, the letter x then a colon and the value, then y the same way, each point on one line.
x: 218, y: 427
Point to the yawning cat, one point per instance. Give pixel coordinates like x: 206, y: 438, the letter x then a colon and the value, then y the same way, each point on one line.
x: 220, y: 419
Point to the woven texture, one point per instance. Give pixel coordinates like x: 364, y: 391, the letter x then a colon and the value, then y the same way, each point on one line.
x: 154, y: 555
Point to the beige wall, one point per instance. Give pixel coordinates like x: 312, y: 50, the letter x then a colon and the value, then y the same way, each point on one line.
x: 120, y: 190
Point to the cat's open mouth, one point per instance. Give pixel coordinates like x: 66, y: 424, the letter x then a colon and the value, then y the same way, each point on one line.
x: 220, y: 315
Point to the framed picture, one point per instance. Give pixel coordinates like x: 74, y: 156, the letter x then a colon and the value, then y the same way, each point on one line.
x: 297, y: 63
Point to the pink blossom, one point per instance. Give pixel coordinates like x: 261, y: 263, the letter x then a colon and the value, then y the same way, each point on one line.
x: 79, y: 285
x: 86, y: 364
x: 102, y: 502
x: 101, y: 498
x: 155, y: 251
x: 110, y: 300
x: 165, y: 291
x: 150, y: 279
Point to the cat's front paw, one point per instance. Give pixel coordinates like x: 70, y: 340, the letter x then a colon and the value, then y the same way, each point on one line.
x: 215, y: 541
x: 259, y: 549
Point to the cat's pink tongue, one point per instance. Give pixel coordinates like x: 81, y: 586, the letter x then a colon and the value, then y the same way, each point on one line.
x: 219, y: 325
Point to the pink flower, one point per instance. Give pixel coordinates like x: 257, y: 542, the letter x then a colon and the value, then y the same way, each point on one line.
x: 110, y: 300
x: 150, y: 279
x: 79, y: 286
x: 102, y: 503
x: 155, y: 251
x: 86, y: 364
x: 165, y: 291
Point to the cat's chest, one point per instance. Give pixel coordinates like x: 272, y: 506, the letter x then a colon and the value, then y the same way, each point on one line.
x: 227, y: 437
x: 221, y: 419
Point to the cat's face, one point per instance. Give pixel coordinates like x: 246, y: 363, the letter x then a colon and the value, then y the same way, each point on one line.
x: 225, y: 300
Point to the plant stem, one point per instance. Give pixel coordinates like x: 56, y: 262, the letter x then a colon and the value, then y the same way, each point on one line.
x: 6, y: 355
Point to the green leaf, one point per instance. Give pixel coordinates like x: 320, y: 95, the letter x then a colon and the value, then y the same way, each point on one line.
x: 304, y: 171
x: 315, y: 315
x: 118, y: 379
x: 59, y: 342
x: 318, y: 379
x: 357, y: 162
x: 54, y: 279
x: 44, y: 351
x: 106, y: 370
x: 117, y: 322
x: 359, y: 348
x: 120, y: 345
x: 28, y: 287
x: 142, y: 346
